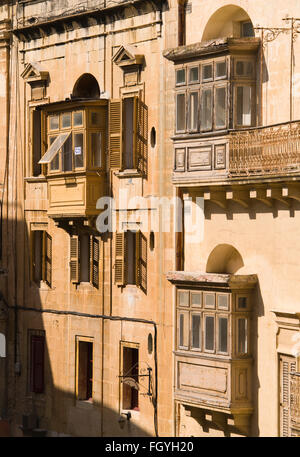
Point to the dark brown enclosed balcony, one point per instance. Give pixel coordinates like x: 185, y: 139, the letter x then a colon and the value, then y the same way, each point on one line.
x: 258, y: 152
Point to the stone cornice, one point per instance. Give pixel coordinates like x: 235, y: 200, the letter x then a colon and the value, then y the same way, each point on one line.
x: 212, y: 279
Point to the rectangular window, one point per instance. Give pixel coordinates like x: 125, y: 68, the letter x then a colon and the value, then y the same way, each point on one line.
x: 209, y: 300
x: 129, y: 133
x: 221, y: 69
x: 220, y: 107
x: 41, y: 255
x: 223, y: 301
x: 67, y: 154
x: 223, y: 334
x: 193, y: 111
x: 130, y: 379
x: 84, y: 370
x: 131, y: 257
x: 242, y: 336
x: 209, y: 333
x: 54, y: 122
x: 207, y: 72
x: 96, y: 149
x: 78, y: 150
x: 243, y: 109
x: 85, y: 259
x: 77, y: 118
x: 196, y: 299
x: 37, y: 350
x: 183, y: 298
x: 66, y: 120
x: 196, y: 331
x: 180, y: 76
x: 183, y: 330
x: 36, y: 142
x: 180, y: 112
x: 206, y: 109
x: 193, y: 75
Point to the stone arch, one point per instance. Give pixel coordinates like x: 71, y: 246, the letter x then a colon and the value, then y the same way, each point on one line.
x: 225, y: 22
x: 224, y: 258
x: 86, y: 86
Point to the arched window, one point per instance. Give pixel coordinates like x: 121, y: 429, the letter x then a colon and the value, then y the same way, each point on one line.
x: 86, y: 87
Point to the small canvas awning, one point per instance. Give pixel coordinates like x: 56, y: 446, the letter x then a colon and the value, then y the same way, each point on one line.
x: 54, y: 148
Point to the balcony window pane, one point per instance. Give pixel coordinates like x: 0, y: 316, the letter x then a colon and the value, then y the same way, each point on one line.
x: 196, y: 299
x: 242, y: 302
x: 96, y: 149
x: 223, y: 325
x: 183, y: 298
x: 209, y: 333
x: 242, y: 336
x: 207, y: 72
x: 183, y: 330
x: 78, y: 118
x: 95, y: 118
x: 180, y: 112
x: 220, y: 69
x: 193, y: 111
x: 196, y: 331
x: 54, y: 122
x: 180, y: 76
x: 209, y: 300
x: 244, y: 94
x: 78, y: 150
x: 244, y: 68
x: 223, y: 301
x: 54, y: 164
x: 66, y: 120
x: 194, y: 75
x: 67, y: 154
x: 206, y: 110
x: 220, y: 107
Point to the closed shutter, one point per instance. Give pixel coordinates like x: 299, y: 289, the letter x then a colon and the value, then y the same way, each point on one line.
x: 115, y: 134
x: 287, y: 365
x: 94, y: 260
x: 47, y: 259
x: 74, y: 258
x: 37, y: 363
x: 120, y: 260
x: 141, y: 136
x: 36, y: 143
x: 141, y: 261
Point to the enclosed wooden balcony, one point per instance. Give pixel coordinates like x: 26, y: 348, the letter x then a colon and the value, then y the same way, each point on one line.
x: 295, y: 403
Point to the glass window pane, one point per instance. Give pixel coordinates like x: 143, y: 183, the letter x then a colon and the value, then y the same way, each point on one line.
x: 223, y: 324
x: 209, y: 333
x: 242, y: 336
x: 247, y: 29
x: 67, y: 154
x: 242, y: 302
x: 180, y: 112
x: 78, y: 150
x: 244, y: 105
x: 196, y: 331
x: 180, y: 76
x: 209, y: 300
x: 196, y: 299
x: 95, y: 118
x: 78, y: 118
x: 206, y: 110
x: 220, y: 69
x: 194, y: 74
x: 244, y: 68
x: 193, y: 111
x: 207, y: 72
x: 181, y: 329
x: 54, y: 164
x: 96, y: 149
x: 220, y: 107
x: 183, y: 298
x: 66, y: 120
x: 54, y: 122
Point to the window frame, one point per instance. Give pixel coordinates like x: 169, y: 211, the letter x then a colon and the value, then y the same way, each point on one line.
x: 129, y: 345
x: 84, y: 339
x: 35, y: 334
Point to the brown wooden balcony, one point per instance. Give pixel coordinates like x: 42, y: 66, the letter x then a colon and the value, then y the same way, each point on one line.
x: 273, y: 150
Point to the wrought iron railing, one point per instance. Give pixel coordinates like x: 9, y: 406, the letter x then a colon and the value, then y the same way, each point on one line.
x: 295, y: 399
x: 265, y: 150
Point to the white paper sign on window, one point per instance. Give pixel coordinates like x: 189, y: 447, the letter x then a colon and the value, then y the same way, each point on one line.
x: 2, y: 345
x: 78, y: 150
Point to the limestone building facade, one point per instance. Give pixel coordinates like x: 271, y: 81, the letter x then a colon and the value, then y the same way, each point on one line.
x: 149, y: 214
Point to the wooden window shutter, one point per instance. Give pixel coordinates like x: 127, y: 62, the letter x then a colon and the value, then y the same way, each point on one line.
x: 141, y: 261
x: 47, y: 258
x: 115, y: 134
x: 36, y: 141
x: 120, y: 259
x: 32, y: 255
x: 141, y: 136
x: 37, y: 363
x: 74, y: 258
x: 94, y: 260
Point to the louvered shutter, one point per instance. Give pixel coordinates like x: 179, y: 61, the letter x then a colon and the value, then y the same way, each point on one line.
x: 141, y: 257
x: 287, y: 365
x: 74, y: 258
x: 141, y: 136
x: 115, y: 134
x: 120, y: 260
x: 37, y: 363
x: 94, y: 260
x: 47, y: 258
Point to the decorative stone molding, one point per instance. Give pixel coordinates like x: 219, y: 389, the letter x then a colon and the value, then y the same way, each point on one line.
x: 37, y: 78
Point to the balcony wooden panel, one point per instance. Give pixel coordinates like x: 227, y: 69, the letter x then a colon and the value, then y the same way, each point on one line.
x: 36, y: 198
x: 295, y: 401
x: 75, y: 195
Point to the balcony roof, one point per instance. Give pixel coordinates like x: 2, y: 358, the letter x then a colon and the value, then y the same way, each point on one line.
x: 212, y: 279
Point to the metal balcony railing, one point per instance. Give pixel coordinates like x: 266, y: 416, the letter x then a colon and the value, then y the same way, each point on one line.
x: 265, y: 150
